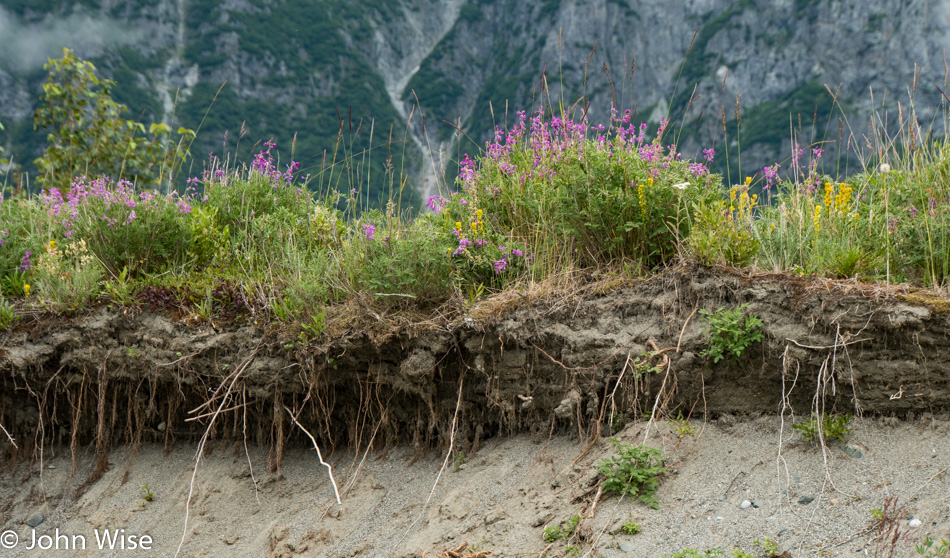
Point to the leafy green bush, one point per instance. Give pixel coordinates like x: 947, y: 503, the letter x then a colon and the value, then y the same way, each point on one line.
x: 723, y: 233
x: 586, y: 195
x: 67, y: 278
x: 88, y: 136
x: 731, y: 331
x: 124, y: 228
x: 24, y: 227
x: 400, y: 265
x: 634, y: 472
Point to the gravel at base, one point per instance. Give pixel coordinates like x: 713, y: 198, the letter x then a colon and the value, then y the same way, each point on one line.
x: 810, y: 502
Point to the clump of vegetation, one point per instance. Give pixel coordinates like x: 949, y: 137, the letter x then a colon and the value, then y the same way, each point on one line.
x: 635, y: 472
x: 826, y: 427
x: 630, y: 528
x: 564, y: 531
x: 8, y: 314
x: 731, y: 332
x: 681, y: 426
x: 928, y: 549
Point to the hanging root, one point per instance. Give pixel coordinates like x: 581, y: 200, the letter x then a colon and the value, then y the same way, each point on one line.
x: 336, y: 491
x: 230, y: 380
x: 9, y: 437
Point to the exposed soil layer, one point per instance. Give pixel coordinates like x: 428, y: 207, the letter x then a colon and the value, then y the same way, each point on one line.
x: 518, y: 362
x: 587, y: 365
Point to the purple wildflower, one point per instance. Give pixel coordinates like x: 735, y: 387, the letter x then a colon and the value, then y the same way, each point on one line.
x: 709, y: 154
x: 25, y: 262
x: 771, y: 175
x: 436, y: 203
x: 500, y: 265
x: 369, y: 231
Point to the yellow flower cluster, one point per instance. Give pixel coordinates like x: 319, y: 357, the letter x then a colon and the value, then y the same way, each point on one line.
x: 642, y: 198
x: 478, y: 226
x: 741, y: 203
x: 817, y: 216
x: 829, y: 195
x: 843, y: 199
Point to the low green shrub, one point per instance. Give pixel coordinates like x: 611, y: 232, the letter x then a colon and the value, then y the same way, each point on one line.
x: 635, y: 472
x: 731, y: 332
x: 830, y: 427
x: 564, y: 531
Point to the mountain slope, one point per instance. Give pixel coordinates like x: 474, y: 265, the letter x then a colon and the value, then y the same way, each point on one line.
x: 304, y: 68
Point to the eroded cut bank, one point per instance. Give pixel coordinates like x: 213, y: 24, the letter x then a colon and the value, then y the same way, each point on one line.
x: 516, y: 362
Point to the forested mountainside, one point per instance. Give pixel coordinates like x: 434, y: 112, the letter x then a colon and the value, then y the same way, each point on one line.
x: 301, y: 69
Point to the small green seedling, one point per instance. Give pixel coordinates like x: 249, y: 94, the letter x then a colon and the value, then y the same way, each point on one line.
x: 459, y: 461
x: 928, y: 550
x: 681, y: 426
x: 769, y: 546
x: 147, y: 494
x: 630, y: 528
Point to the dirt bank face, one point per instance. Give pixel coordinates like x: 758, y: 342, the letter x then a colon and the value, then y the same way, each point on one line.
x: 514, y: 363
x: 585, y: 365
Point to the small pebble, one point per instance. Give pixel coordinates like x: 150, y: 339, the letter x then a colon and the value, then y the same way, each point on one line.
x: 834, y: 501
x: 627, y: 547
x: 756, y: 503
x: 719, y: 518
x: 914, y: 522
x: 805, y: 500
x: 51, y: 467
x: 854, y: 451
x: 745, y: 504
x: 35, y: 520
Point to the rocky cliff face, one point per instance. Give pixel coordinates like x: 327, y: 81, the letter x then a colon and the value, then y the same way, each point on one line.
x: 288, y: 68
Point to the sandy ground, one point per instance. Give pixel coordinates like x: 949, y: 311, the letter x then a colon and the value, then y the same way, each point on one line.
x: 500, y: 499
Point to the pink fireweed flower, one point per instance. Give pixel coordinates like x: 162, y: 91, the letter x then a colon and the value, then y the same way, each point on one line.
x: 369, y: 231
x: 500, y: 265
x: 709, y: 154
x: 436, y: 203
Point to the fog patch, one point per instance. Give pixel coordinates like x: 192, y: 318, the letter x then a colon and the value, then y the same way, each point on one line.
x: 27, y: 46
